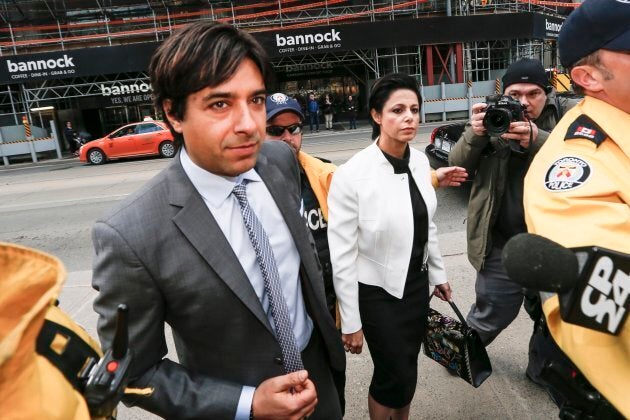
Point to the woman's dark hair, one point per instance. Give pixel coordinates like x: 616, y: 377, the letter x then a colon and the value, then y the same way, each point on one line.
x: 383, y: 89
x: 203, y: 54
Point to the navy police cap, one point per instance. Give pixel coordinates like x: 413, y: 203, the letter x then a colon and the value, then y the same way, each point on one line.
x: 596, y: 24
x: 278, y: 103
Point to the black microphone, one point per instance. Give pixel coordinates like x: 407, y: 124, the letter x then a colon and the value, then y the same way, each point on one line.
x: 592, y: 283
x: 541, y: 264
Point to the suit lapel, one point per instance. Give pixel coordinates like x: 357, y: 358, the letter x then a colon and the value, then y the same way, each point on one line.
x: 198, y: 225
x: 287, y: 202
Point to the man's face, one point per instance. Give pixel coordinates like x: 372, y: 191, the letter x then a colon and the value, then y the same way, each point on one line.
x: 224, y: 125
x: 530, y: 95
x: 311, y: 96
x: 288, y: 121
x: 616, y: 83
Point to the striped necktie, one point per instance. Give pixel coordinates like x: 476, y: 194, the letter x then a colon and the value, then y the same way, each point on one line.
x: 292, y: 360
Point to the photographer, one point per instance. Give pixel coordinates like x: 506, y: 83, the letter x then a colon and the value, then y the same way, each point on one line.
x: 495, y: 209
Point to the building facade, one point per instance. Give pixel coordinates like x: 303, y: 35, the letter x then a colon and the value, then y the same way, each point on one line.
x: 85, y: 61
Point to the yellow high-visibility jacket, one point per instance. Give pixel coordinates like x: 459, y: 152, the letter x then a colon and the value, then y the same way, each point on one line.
x: 31, y: 387
x: 577, y: 193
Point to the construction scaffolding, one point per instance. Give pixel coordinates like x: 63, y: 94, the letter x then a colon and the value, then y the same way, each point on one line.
x: 80, y: 23
x: 31, y: 26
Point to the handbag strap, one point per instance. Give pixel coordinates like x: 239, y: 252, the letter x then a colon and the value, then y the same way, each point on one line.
x: 455, y: 309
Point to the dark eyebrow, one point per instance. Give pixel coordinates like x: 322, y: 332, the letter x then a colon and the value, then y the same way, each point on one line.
x: 405, y: 105
x: 227, y: 95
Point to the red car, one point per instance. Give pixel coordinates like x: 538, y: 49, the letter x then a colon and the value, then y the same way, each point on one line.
x: 144, y: 138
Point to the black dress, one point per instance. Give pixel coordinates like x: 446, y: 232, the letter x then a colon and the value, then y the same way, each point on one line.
x: 394, y: 328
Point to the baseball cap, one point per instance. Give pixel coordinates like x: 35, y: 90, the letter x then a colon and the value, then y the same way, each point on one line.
x: 525, y: 70
x: 279, y: 102
x: 596, y: 24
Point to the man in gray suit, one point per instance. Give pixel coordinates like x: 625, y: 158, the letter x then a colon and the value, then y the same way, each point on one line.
x: 215, y: 246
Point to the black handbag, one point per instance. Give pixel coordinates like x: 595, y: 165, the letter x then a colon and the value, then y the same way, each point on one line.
x: 456, y: 346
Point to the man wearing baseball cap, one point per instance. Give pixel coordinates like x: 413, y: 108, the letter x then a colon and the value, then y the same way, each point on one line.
x: 284, y: 122
x: 577, y: 190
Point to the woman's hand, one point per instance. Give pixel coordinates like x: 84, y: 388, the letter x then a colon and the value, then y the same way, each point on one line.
x: 443, y: 291
x: 451, y: 176
x: 353, y: 343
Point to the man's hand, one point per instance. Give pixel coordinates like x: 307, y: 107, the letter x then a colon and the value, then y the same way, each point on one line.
x: 290, y: 397
x: 451, y: 176
x: 476, y: 121
x: 353, y: 342
x: 443, y: 291
x: 522, y: 131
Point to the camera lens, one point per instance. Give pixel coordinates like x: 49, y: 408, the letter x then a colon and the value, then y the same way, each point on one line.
x: 497, y: 121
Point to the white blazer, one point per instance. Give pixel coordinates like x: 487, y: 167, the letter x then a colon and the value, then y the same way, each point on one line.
x: 370, y: 228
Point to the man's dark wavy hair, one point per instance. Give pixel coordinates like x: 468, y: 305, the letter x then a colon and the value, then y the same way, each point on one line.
x: 203, y: 54
x: 383, y: 89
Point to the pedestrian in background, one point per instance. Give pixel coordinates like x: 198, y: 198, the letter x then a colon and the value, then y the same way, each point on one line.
x: 69, y: 133
x: 351, y: 107
x: 328, y: 112
x: 313, y: 112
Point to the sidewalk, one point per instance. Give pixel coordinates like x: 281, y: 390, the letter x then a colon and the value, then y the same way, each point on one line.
x: 507, y: 394
x: 338, y: 127
x: 25, y: 161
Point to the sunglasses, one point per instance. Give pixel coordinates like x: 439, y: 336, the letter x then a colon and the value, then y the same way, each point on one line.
x: 278, y: 130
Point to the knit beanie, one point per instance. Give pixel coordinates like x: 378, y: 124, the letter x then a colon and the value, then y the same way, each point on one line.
x: 525, y: 70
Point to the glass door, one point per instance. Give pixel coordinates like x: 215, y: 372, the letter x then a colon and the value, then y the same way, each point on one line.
x: 113, y: 118
x: 146, y: 110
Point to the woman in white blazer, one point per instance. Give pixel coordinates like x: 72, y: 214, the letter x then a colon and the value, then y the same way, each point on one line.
x: 384, y: 248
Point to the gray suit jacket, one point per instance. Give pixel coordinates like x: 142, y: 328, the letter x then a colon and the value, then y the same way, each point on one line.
x: 161, y: 252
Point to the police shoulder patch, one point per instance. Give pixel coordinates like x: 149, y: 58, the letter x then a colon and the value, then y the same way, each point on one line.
x: 585, y: 128
x: 567, y: 173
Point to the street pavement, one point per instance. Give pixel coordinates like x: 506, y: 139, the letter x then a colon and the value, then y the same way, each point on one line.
x: 51, y: 206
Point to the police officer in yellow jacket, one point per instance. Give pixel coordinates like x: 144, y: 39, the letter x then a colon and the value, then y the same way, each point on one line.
x: 39, y: 343
x: 577, y: 190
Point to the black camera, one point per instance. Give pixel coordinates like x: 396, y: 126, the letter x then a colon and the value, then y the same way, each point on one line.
x: 501, y: 111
